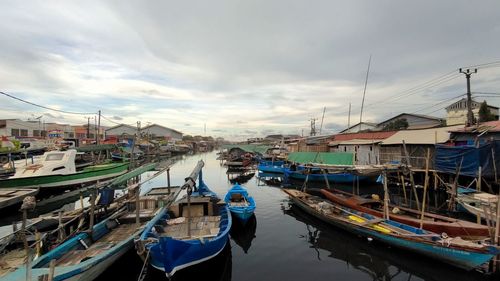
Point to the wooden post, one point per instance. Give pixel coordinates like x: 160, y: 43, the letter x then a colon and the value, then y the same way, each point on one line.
x: 478, y: 188
x: 137, y: 205
x: 386, y: 197
x: 168, y: 180
x: 435, y: 189
x: 494, y: 163
x: 189, y: 213
x: 52, y: 268
x: 28, y: 266
x: 81, y: 201
x: 404, y: 189
x: 426, y: 182
x: 412, y: 181
x: 92, y: 209
x: 38, y: 244
x: 61, y: 232
x: 23, y: 229
x: 451, y: 202
x: 326, y: 178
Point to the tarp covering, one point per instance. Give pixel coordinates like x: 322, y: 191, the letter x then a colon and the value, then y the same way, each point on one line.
x: 332, y: 158
x: 253, y: 148
x: 447, y: 159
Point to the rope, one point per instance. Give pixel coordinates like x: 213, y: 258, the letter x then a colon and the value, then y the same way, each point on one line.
x: 144, y: 270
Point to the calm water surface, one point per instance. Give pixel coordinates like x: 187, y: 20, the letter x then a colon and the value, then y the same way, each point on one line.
x: 283, y: 243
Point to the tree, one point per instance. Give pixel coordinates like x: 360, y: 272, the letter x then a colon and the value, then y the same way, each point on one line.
x: 399, y: 124
x: 484, y: 113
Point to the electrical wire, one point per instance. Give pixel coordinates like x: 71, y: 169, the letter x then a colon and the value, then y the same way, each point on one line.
x: 45, y: 107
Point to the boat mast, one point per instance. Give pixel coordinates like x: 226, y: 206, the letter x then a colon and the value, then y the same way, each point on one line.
x: 364, y: 91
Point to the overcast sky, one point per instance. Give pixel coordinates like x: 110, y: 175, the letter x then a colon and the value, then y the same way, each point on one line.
x: 244, y: 68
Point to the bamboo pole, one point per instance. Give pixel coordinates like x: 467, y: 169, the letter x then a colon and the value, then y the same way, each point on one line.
x: 426, y: 183
x: 494, y: 163
x: 435, y: 189
x: 404, y: 189
x: 52, y: 268
x: 168, y: 180
x: 412, y: 181
x: 137, y: 204
x: 478, y: 182
x: 92, y: 209
x: 386, y: 197
x: 38, y: 243
x: 326, y: 178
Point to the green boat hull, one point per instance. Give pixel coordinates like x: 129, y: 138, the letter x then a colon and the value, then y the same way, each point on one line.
x: 88, y: 175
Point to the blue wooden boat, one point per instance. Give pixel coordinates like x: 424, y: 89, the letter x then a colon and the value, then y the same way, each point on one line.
x: 271, y: 166
x: 193, y: 230
x: 315, y: 174
x: 240, y: 203
x: 455, y: 251
x: 88, y: 254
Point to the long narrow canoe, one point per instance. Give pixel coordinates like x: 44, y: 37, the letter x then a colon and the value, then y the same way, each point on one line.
x: 454, y: 251
x: 432, y: 222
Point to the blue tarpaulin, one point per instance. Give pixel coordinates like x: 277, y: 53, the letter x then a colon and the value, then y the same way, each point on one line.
x: 447, y: 159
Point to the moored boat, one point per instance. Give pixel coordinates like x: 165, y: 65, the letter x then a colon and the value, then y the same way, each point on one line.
x: 57, y: 169
x: 454, y: 251
x: 315, y: 174
x: 192, y: 230
x: 432, y: 222
x: 86, y: 255
x: 266, y: 166
x: 240, y: 203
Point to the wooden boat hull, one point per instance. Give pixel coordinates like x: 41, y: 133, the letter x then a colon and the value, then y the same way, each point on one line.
x: 467, y: 260
x: 53, y: 181
x: 245, y: 211
x: 87, y: 269
x: 452, y: 227
x: 11, y: 197
x: 334, y: 178
x: 171, y: 255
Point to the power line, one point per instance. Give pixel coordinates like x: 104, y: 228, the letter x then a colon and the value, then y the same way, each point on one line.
x: 45, y: 107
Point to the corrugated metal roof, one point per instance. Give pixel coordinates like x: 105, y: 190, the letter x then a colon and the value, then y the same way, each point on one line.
x: 366, y: 136
x: 491, y: 126
x: 357, y: 142
x: 424, y: 136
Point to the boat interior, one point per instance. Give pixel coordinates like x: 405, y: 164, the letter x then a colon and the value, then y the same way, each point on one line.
x: 202, y: 215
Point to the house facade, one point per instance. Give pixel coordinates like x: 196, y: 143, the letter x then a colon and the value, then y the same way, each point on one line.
x: 415, y: 121
x: 456, y: 113
x: 20, y: 129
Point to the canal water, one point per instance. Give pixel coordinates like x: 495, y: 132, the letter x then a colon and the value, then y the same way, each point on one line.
x: 283, y: 243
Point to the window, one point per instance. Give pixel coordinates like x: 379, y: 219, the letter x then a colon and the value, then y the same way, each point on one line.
x: 36, y: 133
x: 54, y: 157
x: 24, y: 133
x: 43, y: 134
x: 14, y: 132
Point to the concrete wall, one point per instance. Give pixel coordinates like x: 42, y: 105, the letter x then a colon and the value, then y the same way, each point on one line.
x: 364, y: 154
x: 26, y: 128
x: 459, y: 116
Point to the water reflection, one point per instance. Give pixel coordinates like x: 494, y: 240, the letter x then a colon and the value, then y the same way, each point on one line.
x: 240, y: 176
x: 243, y: 234
x: 269, y: 179
x: 375, y: 260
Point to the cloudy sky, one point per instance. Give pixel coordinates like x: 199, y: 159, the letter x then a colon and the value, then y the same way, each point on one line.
x: 244, y: 68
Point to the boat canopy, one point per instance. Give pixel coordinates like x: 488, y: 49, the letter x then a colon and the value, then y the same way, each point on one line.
x: 253, y: 148
x: 332, y: 158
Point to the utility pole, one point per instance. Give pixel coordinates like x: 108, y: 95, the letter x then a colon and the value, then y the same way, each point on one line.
x: 313, y: 127
x: 88, y: 127
x: 349, y: 118
x: 99, y: 128
x: 470, y: 115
